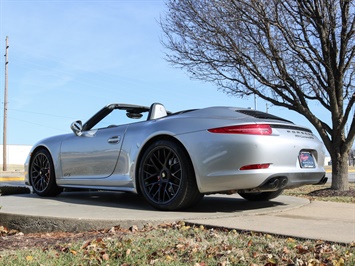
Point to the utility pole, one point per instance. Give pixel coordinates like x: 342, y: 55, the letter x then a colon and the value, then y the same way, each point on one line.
x: 255, y: 102
x: 4, y: 165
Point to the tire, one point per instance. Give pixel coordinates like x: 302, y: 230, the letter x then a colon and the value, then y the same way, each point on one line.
x: 42, y: 176
x: 166, y: 177
x: 261, y: 196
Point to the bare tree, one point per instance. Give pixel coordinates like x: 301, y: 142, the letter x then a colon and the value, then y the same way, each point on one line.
x: 291, y: 53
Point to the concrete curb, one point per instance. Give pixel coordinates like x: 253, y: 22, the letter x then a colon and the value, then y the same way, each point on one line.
x: 41, y: 224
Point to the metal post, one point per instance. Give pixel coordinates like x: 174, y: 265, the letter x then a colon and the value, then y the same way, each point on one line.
x: 5, y: 106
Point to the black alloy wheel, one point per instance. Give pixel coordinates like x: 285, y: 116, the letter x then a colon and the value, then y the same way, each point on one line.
x: 166, y: 177
x: 42, y: 176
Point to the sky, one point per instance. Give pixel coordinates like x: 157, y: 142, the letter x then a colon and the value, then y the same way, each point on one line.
x: 68, y: 59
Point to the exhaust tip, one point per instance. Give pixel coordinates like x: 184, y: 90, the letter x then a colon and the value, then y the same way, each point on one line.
x: 274, y: 183
x: 284, y: 182
x: 323, y: 180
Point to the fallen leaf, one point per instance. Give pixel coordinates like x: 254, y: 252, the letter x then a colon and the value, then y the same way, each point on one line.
x: 105, y: 257
x: 180, y: 246
x: 270, y: 264
x: 302, y: 249
x: 73, y: 252
x: 128, y: 251
x: 86, y: 244
x: 340, y: 262
x: 313, y: 262
x: 291, y: 240
x: 185, y: 228
x: 169, y: 258
x: 134, y: 228
x: 285, y: 250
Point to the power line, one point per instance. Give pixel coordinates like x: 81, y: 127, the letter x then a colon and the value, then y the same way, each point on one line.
x: 38, y: 113
x: 41, y: 125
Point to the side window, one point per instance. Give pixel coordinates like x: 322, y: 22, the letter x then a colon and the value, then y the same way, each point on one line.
x: 111, y: 120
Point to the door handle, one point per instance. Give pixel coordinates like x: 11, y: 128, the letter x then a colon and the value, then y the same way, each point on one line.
x: 114, y: 140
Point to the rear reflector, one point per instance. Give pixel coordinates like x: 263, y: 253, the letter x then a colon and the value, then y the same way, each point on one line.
x: 254, y: 129
x: 255, y: 166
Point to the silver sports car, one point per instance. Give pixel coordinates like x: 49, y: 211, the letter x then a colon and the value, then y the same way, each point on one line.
x: 173, y: 159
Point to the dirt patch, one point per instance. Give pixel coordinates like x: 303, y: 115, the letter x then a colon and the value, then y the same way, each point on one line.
x: 15, y: 240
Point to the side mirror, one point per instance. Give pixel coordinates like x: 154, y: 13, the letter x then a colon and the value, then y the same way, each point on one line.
x: 77, y: 127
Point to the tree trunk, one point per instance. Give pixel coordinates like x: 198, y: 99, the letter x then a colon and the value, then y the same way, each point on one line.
x: 340, y: 175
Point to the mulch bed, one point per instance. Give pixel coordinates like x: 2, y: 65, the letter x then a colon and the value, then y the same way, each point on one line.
x: 328, y: 192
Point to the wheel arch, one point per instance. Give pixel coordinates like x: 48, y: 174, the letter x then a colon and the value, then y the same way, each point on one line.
x: 34, y: 151
x: 45, y: 175
x: 145, y: 147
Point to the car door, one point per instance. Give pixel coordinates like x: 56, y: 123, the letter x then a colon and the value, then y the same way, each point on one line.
x: 94, y: 154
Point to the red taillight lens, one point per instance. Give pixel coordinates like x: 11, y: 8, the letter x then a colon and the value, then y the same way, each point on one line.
x: 254, y: 129
x: 255, y: 166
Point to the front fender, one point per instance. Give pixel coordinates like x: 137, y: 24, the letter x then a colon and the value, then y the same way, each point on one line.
x: 52, y: 145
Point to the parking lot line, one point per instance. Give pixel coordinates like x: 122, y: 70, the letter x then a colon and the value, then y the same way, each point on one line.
x: 4, y: 179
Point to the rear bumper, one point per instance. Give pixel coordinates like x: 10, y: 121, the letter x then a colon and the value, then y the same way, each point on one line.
x: 260, y: 180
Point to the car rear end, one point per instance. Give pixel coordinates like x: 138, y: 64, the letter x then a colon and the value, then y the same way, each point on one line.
x: 253, y: 151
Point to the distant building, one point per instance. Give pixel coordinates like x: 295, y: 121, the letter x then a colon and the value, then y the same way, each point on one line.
x: 15, y: 154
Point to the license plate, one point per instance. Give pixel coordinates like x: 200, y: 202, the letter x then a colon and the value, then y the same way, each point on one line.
x: 306, y: 160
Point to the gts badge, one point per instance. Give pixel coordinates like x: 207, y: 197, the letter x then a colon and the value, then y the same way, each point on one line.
x: 67, y: 174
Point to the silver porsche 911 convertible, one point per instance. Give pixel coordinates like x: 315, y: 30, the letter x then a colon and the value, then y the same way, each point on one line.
x: 173, y: 159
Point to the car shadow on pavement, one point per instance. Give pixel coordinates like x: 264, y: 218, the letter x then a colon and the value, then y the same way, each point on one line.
x: 231, y: 203
x: 209, y: 204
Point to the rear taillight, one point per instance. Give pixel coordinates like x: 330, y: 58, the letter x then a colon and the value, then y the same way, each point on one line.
x: 255, y: 166
x: 253, y: 129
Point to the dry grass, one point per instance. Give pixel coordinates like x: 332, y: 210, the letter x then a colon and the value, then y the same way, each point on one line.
x: 181, y: 244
